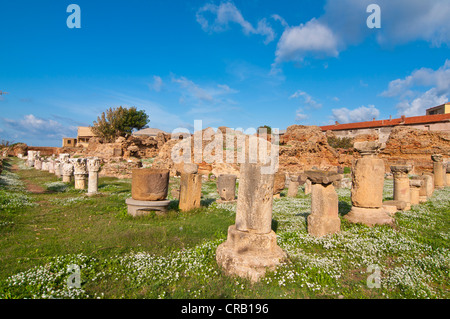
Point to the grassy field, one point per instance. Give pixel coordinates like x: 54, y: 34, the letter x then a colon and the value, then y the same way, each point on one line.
x: 46, y: 227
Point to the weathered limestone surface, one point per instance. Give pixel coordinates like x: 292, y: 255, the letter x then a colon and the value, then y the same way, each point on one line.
x: 415, y: 185
x: 51, y: 166
x: 368, y: 182
x: 58, y: 167
x: 367, y: 187
x: 226, y: 187
x: 93, y: 167
x: 149, y: 184
x: 67, y: 172
x: 324, y: 219
x: 251, y: 248
x: 293, y: 188
x: 190, y: 191
x: 38, y: 163
x: 44, y: 165
x: 429, y: 183
x: 402, y: 190
x: 80, y: 172
x: 254, y: 206
x: 140, y: 207
x: 308, y: 187
x: 279, y: 183
x: 438, y: 171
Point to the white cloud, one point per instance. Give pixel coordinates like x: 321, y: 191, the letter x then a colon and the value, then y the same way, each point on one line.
x: 422, y: 89
x: 226, y: 13
x: 300, y: 116
x: 307, y: 99
x: 157, y: 84
x: 418, y: 105
x: 30, y: 125
x: 300, y: 41
x: 344, y: 24
x: 360, y: 114
x: 204, y: 96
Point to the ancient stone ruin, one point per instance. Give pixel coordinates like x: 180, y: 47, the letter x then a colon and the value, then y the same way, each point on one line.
x: 324, y: 219
x: 438, y: 171
x: 190, y: 188
x: 226, y: 187
x: 251, y: 246
x: 149, y: 188
x: 93, y: 167
x: 80, y: 172
x: 367, y: 187
x: 67, y: 172
x: 279, y: 184
x: 415, y: 185
x: 294, y: 184
x: 402, y: 192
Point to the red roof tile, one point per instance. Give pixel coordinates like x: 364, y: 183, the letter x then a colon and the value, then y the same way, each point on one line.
x: 383, y: 123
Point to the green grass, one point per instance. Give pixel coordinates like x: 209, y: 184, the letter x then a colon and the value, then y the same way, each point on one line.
x: 55, y: 226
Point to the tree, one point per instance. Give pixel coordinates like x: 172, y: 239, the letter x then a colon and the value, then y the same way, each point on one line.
x: 268, y: 129
x: 120, y: 121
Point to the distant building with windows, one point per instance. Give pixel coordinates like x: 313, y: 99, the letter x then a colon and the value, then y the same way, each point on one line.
x: 440, y: 109
x: 69, y: 142
x: 82, y: 140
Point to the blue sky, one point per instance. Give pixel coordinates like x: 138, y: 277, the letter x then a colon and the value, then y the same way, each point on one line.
x: 239, y: 64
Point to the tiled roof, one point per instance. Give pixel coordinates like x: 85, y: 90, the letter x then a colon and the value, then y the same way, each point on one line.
x: 393, y: 122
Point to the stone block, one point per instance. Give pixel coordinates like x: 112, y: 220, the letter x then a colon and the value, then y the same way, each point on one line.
x: 190, y: 191
x: 148, y: 184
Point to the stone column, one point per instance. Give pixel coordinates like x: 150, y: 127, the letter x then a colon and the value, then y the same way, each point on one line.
x: 93, y: 166
x: 429, y: 183
x: 31, y: 158
x: 293, y: 187
x: 44, y: 165
x: 279, y: 183
x: 58, y: 167
x: 422, y: 189
x: 402, y: 191
x: 367, y: 187
x: 308, y: 187
x: 415, y: 185
x: 149, y: 189
x: 51, y: 166
x: 190, y: 188
x: 64, y: 157
x: 67, y: 172
x: 251, y: 246
x: 149, y: 184
x: 226, y: 187
x: 324, y: 218
x: 438, y: 171
x: 38, y: 163
x: 80, y: 172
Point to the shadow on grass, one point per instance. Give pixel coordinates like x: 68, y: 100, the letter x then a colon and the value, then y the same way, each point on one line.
x: 304, y: 215
x: 206, y: 202
x: 344, y: 208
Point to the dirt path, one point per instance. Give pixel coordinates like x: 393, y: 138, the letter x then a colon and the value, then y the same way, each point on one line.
x: 32, y: 188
